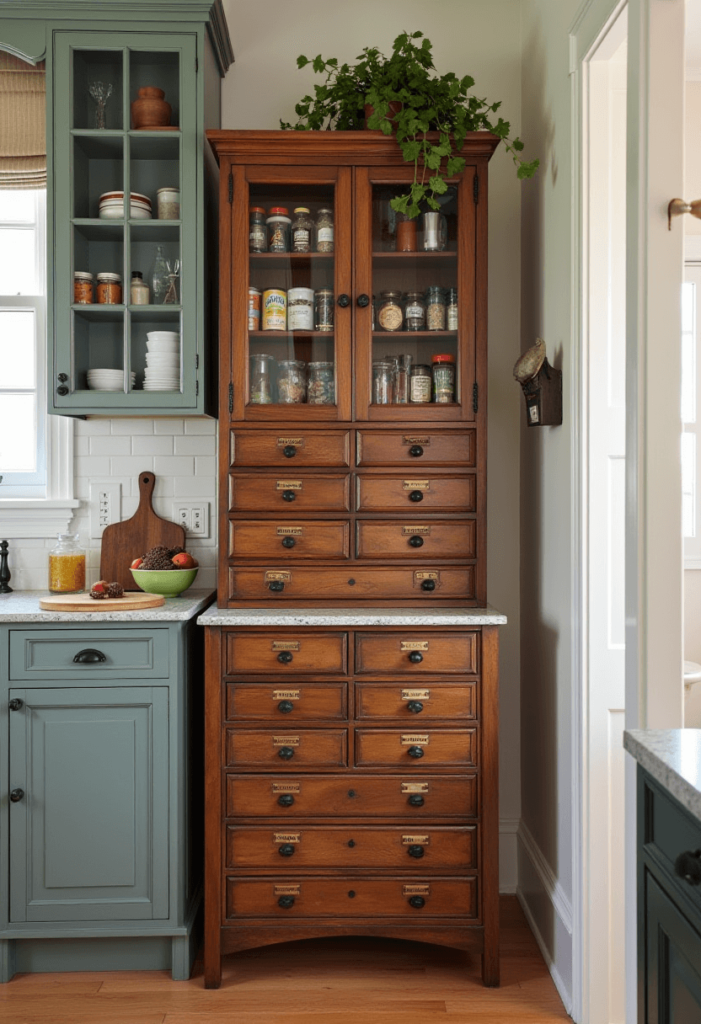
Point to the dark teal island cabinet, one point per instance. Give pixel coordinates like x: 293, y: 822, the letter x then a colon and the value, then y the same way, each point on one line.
x: 100, y: 787
x: 669, y: 874
x: 106, y: 170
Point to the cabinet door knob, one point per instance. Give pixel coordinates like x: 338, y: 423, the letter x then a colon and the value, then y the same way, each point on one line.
x: 351, y: 843
x: 343, y: 300
x: 286, y: 800
x: 288, y: 495
x: 428, y: 585
x: 415, y: 800
x: 277, y: 586
x: 286, y: 902
x: 16, y: 795
x: 415, y: 752
x: 415, y: 706
x: 416, y: 451
x: 688, y: 866
x: 416, y: 657
x: 416, y: 495
x: 289, y: 451
x: 416, y: 541
x: 62, y: 378
x: 363, y: 300
x: 285, y: 706
x: 89, y: 657
x: 284, y: 657
x: 288, y: 542
x: 286, y: 753
x: 286, y: 850
x: 62, y: 390
x: 16, y: 703
x: 416, y: 852
x: 417, y: 901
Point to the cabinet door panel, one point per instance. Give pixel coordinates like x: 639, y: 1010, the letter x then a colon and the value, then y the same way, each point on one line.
x: 672, y: 961
x: 89, y: 838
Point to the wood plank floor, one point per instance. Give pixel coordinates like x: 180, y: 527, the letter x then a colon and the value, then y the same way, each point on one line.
x: 330, y: 981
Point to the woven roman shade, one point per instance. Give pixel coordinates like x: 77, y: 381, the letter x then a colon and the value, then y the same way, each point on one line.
x: 22, y: 123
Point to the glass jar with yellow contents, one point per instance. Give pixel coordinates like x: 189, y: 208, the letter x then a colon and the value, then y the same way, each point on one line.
x: 67, y: 566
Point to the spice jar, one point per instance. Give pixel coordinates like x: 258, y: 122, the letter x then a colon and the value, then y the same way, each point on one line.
x: 261, y: 385
x: 443, y: 367
x: 257, y: 231
x: 324, y: 230
x: 435, y: 309
x: 420, y: 383
x: 82, y: 288
x: 254, y: 304
x: 401, y: 379
x: 291, y: 382
x: 452, y: 309
x: 321, y: 389
x: 389, y: 315
x: 67, y: 566
x: 323, y: 310
x: 301, y: 231
x: 300, y: 309
x: 139, y: 294
x: 415, y: 311
x: 274, y: 310
x: 278, y: 229
x: 406, y: 233
x: 382, y: 382
x: 168, y: 203
x: 109, y: 289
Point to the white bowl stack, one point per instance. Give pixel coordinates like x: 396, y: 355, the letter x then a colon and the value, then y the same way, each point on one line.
x: 111, y: 206
x: 162, y: 361
x: 108, y: 380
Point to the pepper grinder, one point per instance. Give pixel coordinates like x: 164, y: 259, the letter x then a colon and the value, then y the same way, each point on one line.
x: 5, y: 574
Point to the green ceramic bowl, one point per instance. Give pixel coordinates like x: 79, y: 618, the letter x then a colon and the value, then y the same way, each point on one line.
x: 166, y: 582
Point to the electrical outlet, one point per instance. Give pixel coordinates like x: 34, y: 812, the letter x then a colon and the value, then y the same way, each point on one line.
x: 194, y: 517
x: 105, y: 505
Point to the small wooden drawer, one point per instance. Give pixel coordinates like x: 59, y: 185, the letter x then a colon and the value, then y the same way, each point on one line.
x: 355, y: 847
x: 352, y: 583
x: 105, y: 653
x: 286, y: 654
x: 286, y: 748
x: 444, y: 748
x: 289, y: 897
x: 309, y: 701
x: 291, y: 450
x: 669, y: 830
x: 290, y: 493
x: 411, y: 796
x: 416, y: 653
x: 397, y: 448
x: 383, y: 493
x: 426, y: 540
x: 416, y: 704
x: 289, y: 540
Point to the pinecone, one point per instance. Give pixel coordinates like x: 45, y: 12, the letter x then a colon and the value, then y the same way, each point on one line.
x: 97, y: 596
x: 175, y: 551
x: 157, y: 558
x: 115, y: 590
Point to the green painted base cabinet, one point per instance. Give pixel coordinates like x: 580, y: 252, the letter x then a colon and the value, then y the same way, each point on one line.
x: 100, y: 840
x: 669, y: 910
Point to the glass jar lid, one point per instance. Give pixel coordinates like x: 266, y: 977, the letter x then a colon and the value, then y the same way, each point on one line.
x: 292, y: 362
x: 167, y: 188
x: 420, y: 370
x: 256, y: 209
x: 443, y: 358
x: 82, y: 275
x: 281, y: 211
x: 321, y: 365
x: 390, y: 296
x: 414, y: 296
x: 301, y: 209
x: 136, y: 273
x: 110, y: 278
x: 435, y: 292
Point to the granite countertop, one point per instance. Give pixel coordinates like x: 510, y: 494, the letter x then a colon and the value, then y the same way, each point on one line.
x: 352, y: 617
x: 673, y: 757
x: 23, y: 606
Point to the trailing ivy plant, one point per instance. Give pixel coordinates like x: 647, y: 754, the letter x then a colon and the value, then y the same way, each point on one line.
x: 408, y: 101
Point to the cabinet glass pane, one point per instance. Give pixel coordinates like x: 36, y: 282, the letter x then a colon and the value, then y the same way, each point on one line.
x: 98, y: 169
x: 98, y: 344
x: 291, y: 337
x: 156, y: 348
x: 98, y: 92
x: 149, y: 70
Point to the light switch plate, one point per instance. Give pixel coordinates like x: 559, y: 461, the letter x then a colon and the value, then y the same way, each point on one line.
x: 105, y: 505
x: 193, y: 516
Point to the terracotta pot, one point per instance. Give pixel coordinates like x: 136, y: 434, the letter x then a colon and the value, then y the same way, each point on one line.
x: 394, y: 107
x: 150, y: 110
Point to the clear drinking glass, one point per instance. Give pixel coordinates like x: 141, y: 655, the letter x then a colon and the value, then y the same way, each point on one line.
x: 100, y: 92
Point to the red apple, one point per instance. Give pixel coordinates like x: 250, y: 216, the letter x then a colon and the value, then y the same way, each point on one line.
x: 184, y: 561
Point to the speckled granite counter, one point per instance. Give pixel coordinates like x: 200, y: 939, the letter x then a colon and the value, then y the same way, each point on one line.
x: 351, y: 617
x: 673, y: 757
x: 23, y: 606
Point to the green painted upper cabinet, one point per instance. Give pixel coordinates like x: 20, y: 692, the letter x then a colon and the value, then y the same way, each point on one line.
x: 90, y: 158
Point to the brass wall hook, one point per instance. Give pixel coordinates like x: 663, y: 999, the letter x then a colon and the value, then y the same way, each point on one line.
x: 679, y: 206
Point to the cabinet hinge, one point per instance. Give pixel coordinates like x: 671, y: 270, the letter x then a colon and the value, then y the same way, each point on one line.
x: 197, y: 361
x: 197, y: 387
x: 197, y: 64
x: 231, y: 187
x: 475, y: 396
x: 231, y: 397
x: 476, y: 188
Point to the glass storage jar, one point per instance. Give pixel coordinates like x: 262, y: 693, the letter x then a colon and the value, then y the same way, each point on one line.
x: 324, y: 230
x: 443, y: 367
x: 82, y: 288
x: 291, y: 381
x: 300, y: 309
x: 415, y: 311
x: 278, y: 229
x: 420, y: 383
x: 452, y: 309
x: 67, y: 566
x: 323, y: 309
x: 321, y: 389
x: 257, y: 231
x: 301, y: 230
x: 168, y: 200
x: 261, y: 384
x: 389, y: 314
x: 401, y: 379
x: 109, y: 289
x: 435, y: 309
x: 383, y: 382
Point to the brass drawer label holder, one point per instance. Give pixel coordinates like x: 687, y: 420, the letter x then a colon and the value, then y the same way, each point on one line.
x: 410, y: 739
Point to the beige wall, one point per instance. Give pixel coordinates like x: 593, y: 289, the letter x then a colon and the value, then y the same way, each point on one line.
x: 692, y: 152
x: 481, y: 38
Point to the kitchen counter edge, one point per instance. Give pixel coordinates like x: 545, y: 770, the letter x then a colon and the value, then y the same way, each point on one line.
x: 351, y: 617
x: 23, y: 606
x: 673, y: 758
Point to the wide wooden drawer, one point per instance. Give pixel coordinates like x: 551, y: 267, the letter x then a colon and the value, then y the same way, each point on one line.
x: 351, y: 583
x: 286, y: 654
x: 355, y: 847
x: 290, y: 493
x: 286, y: 749
x: 422, y: 492
x: 297, y: 448
x: 409, y: 796
x: 416, y: 653
x: 289, y: 540
x: 416, y: 703
x: 398, y: 448
x: 289, y: 897
x: 286, y: 703
x: 104, y: 653
x: 424, y: 748
x: 424, y: 540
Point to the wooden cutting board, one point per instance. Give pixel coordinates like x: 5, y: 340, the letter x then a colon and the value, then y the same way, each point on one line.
x: 85, y: 603
x: 123, y: 542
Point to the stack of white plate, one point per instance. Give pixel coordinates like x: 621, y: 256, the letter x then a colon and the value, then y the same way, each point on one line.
x: 108, y: 380
x: 111, y: 206
x: 162, y: 361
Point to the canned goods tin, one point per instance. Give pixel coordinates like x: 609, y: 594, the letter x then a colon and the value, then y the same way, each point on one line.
x: 300, y: 309
x: 274, y: 310
x: 254, y: 303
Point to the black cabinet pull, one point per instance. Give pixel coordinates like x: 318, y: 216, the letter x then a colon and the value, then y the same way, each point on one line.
x: 16, y: 703
x: 285, y: 706
x: 286, y: 753
x: 277, y: 586
x: 289, y: 451
x: 284, y: 657
x: 288, y: 495
x: 415, y: 706
x: 428, y: 585
x: 416, y: 495
x: 286, y: 800
x: 288, y: 542
x: 416, y: 800
x: 16, y: 795
x: 343, y: 300
x: 416, y: 451
x: 416, y: 541
x: 62, y: 390
x: 416, y: 657
x: 286, y: 850
x: 688, y: 866
x: 363, y: 300
x: 415, y: 752
x: 286, y: 902
x: 416, y: 852
x: 89, y: 657
x: 351, y: 843
x: 417, y: 901
x: 62, y: 378
x: 351, y: 793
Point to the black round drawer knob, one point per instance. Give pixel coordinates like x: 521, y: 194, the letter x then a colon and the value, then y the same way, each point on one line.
x: 285, y: 706
x: 286, y: 850
x: 351, y: 843
x: 688, y: 866
x: 415, y: 706
x: 16, y: 795
x: 277, y: 586
x: 289, y: 451
x: 288, y: 496
x: 351, y: 793
x: 415, y: 752
x: 89, y: 657
x: 62, y: 377
x: 417, y: 901
x: 363, y: 301
x: 416, y: 657
x: 416, y: 495
x: 16, y: 703
x: 286, y: 902
x: 416, y: 541
x: 288, y: 542
x: 416, y: 852
x: 343, y: 300
x: 415, y: 800
x: 416, y: 451
x: 284, y: 657
x: 428, y: 585
x: 286, y: 800
x: 62, y: 390
x: 286, y: 753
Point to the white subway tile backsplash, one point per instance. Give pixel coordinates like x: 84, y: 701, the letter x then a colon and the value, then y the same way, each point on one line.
x: 195, y: 444
x: 168, y: 426
x: 200, y: 426
x: 92, y: 427
x: 110, y: 445
x: 133, y: 427
x: 205, y: 467
x: 131, y: 465
x: 81, y: 445
x: 173, y: 465
x: 194, y: 487
x: 153, y: 444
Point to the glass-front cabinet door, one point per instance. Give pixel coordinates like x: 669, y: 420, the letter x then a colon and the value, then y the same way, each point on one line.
x: 415, y: 302
x: 291, y: 293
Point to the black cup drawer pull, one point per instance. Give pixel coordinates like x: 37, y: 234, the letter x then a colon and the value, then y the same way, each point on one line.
x: 288, y: 542
x: 286, y: 850
x: 418, y: 902
x: 277, y: 586
x: 415, y: 800
x: 416, y: 495
x: 286, y: 902
x: 416, y: 451
x: 289, y: 496
x: 89, y: 657
x: 416, y: 852
x: 428, y: 584
x: 416, y: 657
x: 415, y: 752
x: 289, y: 451
x: 286, y: 800
x: 416, y: 541
x: 415, y: 706
x: 285, y: 707
x: 284, y: 657
x: 286, y: 753
x: 688, y: 866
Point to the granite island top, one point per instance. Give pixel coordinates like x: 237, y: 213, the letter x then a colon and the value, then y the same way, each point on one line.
x: 23, y: 606
x: 352, y: 617
x: 673, y: 758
